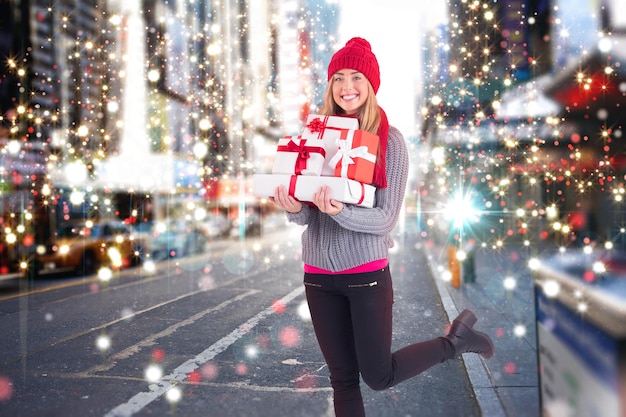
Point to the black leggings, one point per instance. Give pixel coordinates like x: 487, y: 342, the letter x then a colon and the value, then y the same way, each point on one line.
x: 352, y: 318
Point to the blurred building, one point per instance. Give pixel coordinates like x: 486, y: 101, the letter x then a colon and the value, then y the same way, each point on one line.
x: 109, y: 106
x: 52, y: 75
x: 526, y: 97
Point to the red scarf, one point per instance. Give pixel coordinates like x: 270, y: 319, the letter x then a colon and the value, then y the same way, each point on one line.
x: 380, y: 173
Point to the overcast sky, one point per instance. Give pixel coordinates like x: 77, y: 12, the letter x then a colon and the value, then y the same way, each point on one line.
x: 394, y: 29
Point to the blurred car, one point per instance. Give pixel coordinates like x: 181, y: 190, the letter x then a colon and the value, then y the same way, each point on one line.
x: 142, y: 235
x: 275, y: 221
x: 251, y: 225
x: 173, y: 239
x: 216, y: 225
x: 85, y: 247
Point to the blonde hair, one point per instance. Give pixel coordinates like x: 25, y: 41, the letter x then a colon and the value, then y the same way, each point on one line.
x: 369, y: 116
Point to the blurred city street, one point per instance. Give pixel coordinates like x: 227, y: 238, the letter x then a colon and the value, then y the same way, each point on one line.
x: 225, y: 333
x: 141, y: 273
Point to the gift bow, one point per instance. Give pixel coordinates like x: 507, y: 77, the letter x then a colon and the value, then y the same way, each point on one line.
x: 319, y: 125
x: 346, y: 156
x: 304, y: 153
x: 316, y: 125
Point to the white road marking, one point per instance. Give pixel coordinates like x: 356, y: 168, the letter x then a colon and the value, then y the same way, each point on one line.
x: 143, y: 399
x: 131, y: 350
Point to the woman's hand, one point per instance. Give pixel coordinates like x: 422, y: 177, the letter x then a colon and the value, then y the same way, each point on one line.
x: 285, y: 201
x: 323, y: 201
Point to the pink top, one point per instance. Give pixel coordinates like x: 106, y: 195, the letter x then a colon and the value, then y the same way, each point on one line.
x: 368, y: 267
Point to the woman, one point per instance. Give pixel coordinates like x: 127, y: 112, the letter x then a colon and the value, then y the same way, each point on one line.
x: 345, y: 250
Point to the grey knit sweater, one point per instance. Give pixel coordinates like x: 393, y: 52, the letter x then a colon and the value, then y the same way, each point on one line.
x: 357, y: 235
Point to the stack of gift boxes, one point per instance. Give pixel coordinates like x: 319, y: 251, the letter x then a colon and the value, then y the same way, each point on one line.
x: 330, y: 151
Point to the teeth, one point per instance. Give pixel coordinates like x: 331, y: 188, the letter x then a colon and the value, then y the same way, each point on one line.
x: 349, y: 96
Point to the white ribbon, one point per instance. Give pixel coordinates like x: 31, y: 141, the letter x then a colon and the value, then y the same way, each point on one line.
x: 345, y: 155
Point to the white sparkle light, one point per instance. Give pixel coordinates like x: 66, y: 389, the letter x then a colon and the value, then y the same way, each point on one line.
x: 103, y: 343
x: 149, y: 266
x: 77, y: 197
x: 509, y: 283
x: 303, y: 311
x: 534, y: 263
x: 252, y: 352
x: 599, y: 267
x: 519, y: 330
x: 551, y: 288
x: 153, y: 373
x: 105, y: 274
x: 174, y: 395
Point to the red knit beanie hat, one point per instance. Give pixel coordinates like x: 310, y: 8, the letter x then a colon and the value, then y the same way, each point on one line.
x: 357, y: 55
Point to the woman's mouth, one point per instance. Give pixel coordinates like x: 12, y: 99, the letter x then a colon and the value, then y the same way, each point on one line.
x: 349, y: 97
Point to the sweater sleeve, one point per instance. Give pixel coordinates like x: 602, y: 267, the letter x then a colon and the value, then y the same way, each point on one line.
x: 302, y: 217
x: 382, y: 218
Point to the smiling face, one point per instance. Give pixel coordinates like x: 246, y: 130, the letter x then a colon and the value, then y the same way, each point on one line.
x: 350, y: 90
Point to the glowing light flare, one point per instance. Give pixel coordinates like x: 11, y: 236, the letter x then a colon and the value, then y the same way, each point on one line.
x: 599, y: 267
x: 278, y: 307
x: 303, y: 311
x: 149, y: 266
x: 103, y: 343
x: 519, y: 330
x: 510, y: 368
x: 438, y: 155
x: 289, y: 337
x: 210, y: 371
x: 252, y: 352
x: 174, y: 395
x: 241, y: 369
x: 551, y: 288
x: 115, y: 256
x: 509, y: 283
x: 158, y: 354
x: 105, y: 274
x: 534, y: 264
x: 589, y: 276
x: 460, y: 210
x: 13, y: 147
x: 6, y: 389
x: 153, y: 373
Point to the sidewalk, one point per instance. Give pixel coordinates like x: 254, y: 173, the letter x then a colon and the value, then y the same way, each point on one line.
x: 505, y: 385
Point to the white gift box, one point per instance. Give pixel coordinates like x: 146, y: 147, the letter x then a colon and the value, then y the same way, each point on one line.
x: 296, y: 155
x: 318, y: 126
x: 302, y: 187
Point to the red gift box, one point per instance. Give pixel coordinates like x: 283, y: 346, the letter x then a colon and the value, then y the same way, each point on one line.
x: 299, y: 156
x: 355, y: 157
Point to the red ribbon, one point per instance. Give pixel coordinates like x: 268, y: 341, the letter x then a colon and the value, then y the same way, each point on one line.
x: 304, y: 153
x: 318, y: 125
x: 362, y: 193
x: 292, y: 185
